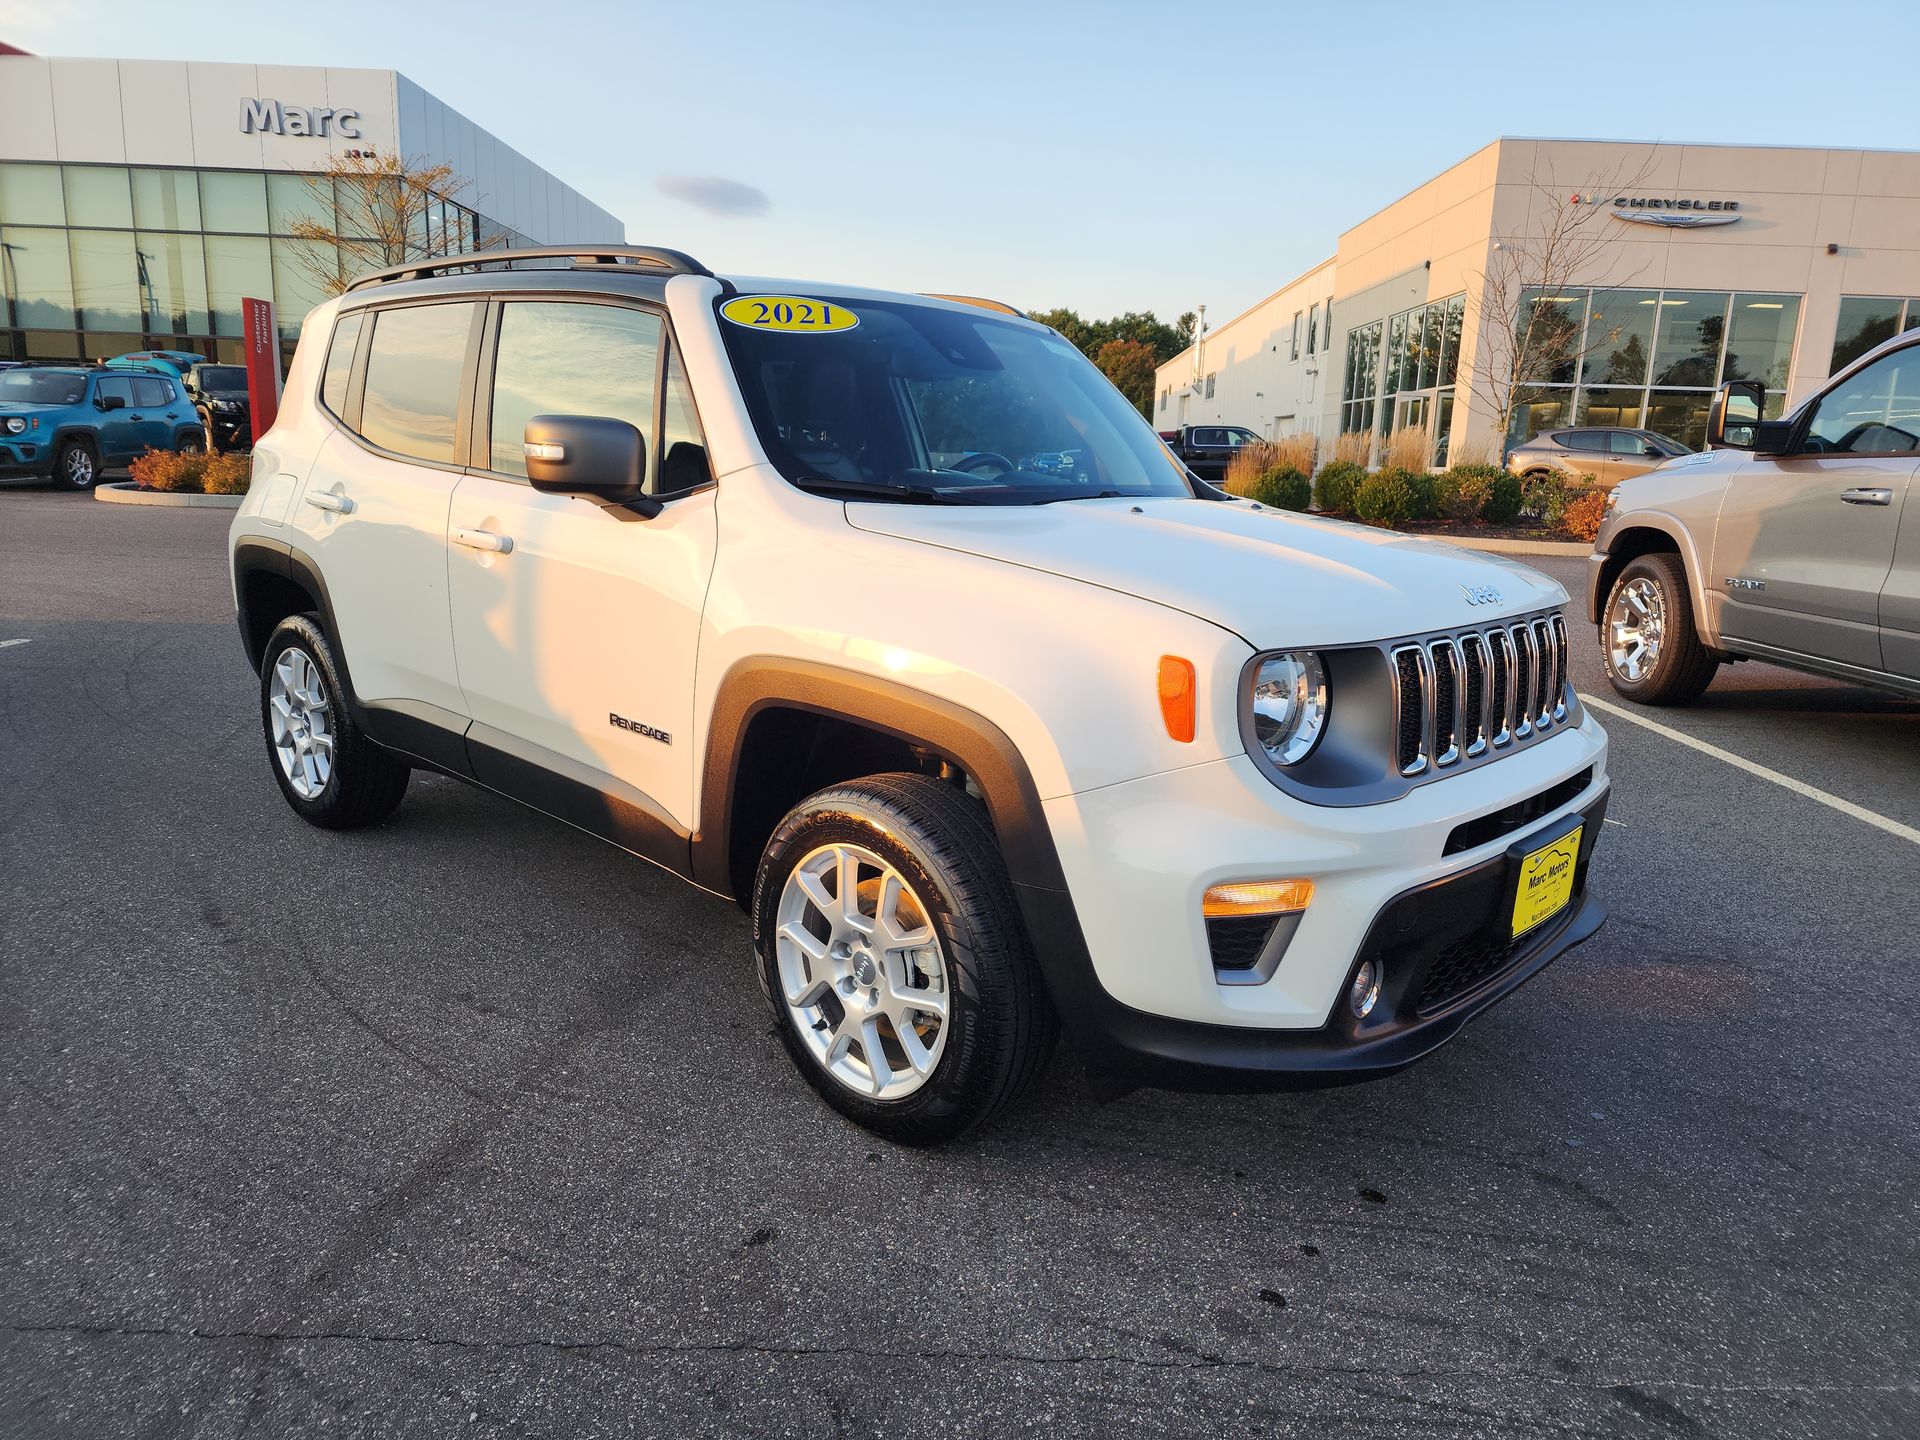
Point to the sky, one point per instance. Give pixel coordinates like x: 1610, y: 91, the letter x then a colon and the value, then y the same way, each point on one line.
x: 1106, y: 157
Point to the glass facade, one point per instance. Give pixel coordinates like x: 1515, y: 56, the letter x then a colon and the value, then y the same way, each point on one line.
x: 1648, y: 359
x: 97, y: 260
x: 1866, y: 321
x: 1408, y: 382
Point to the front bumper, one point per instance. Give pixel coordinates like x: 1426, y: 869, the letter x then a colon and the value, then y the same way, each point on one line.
x: 25, y: 460
x: 1446, y: 953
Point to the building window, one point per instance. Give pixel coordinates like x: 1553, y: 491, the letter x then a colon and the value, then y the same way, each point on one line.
x: 1647, y: 359
x: 1361, y: 384
x: 1313, y: 329
x: 1209, y: 387
x: 1295, y: 349
x: 1422, y: 361
x: 1866, y: 321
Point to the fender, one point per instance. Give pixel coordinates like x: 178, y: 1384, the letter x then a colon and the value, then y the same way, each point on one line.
x: 1682, y: 537
x: 954, y: 733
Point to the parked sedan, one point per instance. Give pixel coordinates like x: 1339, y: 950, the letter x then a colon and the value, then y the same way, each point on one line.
x: 1607, y: 454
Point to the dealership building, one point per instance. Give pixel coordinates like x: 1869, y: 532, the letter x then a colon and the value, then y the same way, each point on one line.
x: 1696, y: 264
x: 141, y: 200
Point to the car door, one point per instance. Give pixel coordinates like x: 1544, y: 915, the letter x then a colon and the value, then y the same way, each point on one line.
x: 1805, y: 543
x: 1900, y: 597
x: 118, y: 430
x: 373, y: 508
x: 157, y: 412
x: 576, y: 625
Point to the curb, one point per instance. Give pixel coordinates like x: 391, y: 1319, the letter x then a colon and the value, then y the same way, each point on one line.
x: 125, y: 492
x: 1517, y: 547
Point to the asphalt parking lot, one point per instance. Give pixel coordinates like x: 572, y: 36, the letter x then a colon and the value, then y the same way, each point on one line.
x: 471, y: 1124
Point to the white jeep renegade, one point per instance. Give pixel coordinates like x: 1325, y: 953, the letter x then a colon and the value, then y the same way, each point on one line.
x: 888, y: 617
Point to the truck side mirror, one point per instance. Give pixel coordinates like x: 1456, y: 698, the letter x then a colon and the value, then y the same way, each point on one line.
x: 1735, y: 414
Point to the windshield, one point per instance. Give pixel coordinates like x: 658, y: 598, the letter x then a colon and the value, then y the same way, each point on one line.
x: 223, y: 377
x: 959, y: 408
x: 41, y: 387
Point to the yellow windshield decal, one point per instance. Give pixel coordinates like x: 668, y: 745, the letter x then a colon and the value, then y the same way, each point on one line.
x: 792, y: 313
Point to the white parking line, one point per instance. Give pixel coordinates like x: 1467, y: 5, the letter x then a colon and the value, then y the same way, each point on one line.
x: 1786, y: 782
x: 9, y: 644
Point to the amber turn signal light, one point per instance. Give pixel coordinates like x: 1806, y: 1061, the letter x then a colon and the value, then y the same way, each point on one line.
x: 1245, y: 898
x: 1177, y: 697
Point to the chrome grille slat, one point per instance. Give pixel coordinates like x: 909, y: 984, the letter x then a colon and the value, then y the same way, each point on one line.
x: 1458, y: 698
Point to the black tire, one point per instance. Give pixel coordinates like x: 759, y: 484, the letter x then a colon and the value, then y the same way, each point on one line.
x: 76, y: 465
x: 1682, y: 667
x: 192, y: 442
x: 1001, y: 1022
x: 367, y: 783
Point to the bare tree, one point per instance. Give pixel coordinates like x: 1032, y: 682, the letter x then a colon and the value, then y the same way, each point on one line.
x: 367, y: 210
x: 1530, y: 328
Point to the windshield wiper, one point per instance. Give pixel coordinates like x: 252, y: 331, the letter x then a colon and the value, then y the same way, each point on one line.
x: 1083, y: 495
x: 906, y: 493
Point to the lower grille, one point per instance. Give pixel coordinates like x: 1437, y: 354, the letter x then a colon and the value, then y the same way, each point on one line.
x: 1462, y: 966
x: 1236, y: 942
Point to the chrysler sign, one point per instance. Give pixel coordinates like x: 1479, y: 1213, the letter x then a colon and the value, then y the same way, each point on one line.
x: 270, y: 117
x: 1675, y: 214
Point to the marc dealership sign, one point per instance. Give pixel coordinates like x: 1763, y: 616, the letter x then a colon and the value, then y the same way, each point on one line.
x: 1670, y: 213
x: 270, y: 117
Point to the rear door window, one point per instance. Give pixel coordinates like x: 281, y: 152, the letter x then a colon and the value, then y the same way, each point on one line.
x: 413, y: 380
x: 1583, y: 439
x: 150, y: 392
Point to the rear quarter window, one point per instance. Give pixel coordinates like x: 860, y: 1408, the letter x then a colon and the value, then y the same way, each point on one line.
x: 339, y: 366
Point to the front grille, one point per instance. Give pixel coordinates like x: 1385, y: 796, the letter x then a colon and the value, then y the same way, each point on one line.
x: 1460, y: 695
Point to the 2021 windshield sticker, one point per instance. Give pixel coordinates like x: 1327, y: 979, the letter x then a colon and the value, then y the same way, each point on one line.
x: 791, y: 314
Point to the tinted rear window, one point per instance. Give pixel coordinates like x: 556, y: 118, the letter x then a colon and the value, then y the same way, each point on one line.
x: 413, y: 379
x: 152, y: 391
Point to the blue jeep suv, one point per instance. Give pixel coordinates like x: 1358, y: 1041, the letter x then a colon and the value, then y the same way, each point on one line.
x: 69, y: 423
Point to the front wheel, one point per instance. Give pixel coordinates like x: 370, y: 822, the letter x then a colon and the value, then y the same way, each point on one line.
x: 331, y: 774
x: 1648, y: 640
x: 75, y: 466
x: 895, y: 959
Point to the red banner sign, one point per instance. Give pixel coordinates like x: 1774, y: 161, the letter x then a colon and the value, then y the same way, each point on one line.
x: 263, y: 364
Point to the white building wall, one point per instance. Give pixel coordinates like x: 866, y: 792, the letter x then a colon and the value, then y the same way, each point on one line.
x: 187, y: 114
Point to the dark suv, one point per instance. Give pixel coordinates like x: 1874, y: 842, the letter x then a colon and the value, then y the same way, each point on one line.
x: 68, y: 424
x: 219, y: 395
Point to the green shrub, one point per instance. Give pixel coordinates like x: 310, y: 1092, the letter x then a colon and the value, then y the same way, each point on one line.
x: 1386, y: 498
x: 1283, y: 489
x: 1503, y: 500
x: 1423, y: 486
x: 1460, y: 494
x: 1544, y: 497
x: 1339, y: 482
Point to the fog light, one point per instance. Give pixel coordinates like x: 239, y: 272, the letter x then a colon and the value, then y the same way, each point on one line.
x: 1365, y: 993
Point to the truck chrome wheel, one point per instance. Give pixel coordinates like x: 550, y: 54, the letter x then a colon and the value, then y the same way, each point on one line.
x: 1635, y: 628
x: 302, y: 721
x: 862, y: 972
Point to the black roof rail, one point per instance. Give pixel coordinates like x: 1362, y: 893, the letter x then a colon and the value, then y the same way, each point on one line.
x: 583, y: 257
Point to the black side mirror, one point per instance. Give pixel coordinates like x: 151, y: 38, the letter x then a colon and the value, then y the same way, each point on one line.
x: 591, y: 456
x: 111, y: 402
x: 1734, y: 413
x: 1653, y: 452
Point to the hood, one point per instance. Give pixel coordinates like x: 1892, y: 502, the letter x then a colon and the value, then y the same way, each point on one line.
x: 1271, y: 576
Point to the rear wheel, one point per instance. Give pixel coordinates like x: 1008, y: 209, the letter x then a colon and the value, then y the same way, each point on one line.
x: 893, y: 953
x: 328, y: 770
x: 75, y: 466
x: 1648, y: 640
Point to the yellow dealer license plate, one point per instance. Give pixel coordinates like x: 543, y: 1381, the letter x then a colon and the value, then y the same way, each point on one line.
x: 1546, y: 882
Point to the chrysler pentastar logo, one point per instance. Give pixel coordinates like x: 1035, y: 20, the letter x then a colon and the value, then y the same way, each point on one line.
x: 1480, y: 594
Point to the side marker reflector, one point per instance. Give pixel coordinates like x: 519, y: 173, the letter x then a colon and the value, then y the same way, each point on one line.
x: 1177, y: 704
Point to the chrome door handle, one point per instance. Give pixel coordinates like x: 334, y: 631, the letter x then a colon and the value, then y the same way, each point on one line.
x: 1871, y: 495
x: 484, y: 540
x: 324, y: 500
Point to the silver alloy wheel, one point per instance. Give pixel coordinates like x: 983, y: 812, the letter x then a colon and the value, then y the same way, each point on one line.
x: 1636, y: 625
x: 862, y: 971
x: 302, y: 722
x: 79, y: 471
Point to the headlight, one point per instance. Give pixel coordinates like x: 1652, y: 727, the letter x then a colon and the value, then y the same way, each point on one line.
x: 15, y: 424
x: 1289, y: 705
x: 226, y: 404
